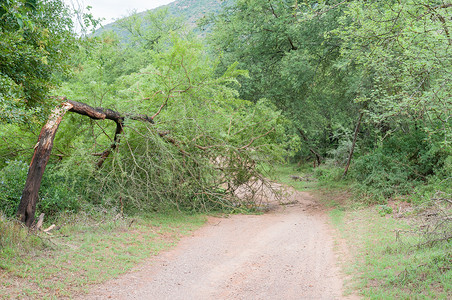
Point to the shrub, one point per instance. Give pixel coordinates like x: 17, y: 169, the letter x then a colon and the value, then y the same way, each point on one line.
x: 400, y: 164
x: 12, y: 181
x: 54, y: 196
x: 381, y: 175
x: 328, y: 173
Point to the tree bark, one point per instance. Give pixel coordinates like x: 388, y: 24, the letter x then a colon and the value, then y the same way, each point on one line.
x: 358, y: 124
x: 101, y: 114
x: 27, y: 206
x: 41, y: 155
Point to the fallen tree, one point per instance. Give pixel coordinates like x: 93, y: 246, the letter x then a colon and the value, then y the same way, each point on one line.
x: 203, y: 148
x: 237, y: 169
x: 42, y: 150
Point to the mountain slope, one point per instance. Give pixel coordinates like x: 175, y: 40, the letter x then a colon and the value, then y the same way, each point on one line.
x: 189, y: 10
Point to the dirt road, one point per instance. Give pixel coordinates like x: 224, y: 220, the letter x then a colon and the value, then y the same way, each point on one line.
x: 283, y: 254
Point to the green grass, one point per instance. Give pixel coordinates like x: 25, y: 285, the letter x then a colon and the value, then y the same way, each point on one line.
x: 83, y: 252
x: 380, y: 264
x: 384, y: 266
x: 282, y: 173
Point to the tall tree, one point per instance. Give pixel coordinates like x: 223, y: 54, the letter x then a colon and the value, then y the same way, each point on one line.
x: 293, y: 62
x: 36, y: 39
x: 403, y: 53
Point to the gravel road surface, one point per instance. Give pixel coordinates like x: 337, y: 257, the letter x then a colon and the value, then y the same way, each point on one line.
x: 286, y: 253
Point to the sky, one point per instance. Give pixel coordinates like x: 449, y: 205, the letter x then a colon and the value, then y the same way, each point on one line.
x: 110, y: 10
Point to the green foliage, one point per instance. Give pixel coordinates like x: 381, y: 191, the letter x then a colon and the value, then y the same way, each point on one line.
x: 55, y: 194
x: 35, y: 43
x: 328, y: 173
x: 403, y: 70
x: 17, y: 141
x: 15, y: 241
x: 292, y: 62
x: 402, y: 162
x: 406, y: 61
x: 312, y: 68
x: 322, y: 63
x: 388, y: 266
x: 12, y: 181
x: 151, y: 30
x: 204, y: 143
x: 384, y: 210
x: 338, y: 156
x: 212, y: 128
x: 382, y: 175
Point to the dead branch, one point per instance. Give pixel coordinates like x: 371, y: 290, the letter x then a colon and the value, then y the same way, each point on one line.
x: 51, y: 227
x: 431, y: 242
x: 40, y: 221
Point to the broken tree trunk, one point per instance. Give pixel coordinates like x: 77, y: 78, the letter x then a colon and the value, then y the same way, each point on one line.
x: 41, y: 155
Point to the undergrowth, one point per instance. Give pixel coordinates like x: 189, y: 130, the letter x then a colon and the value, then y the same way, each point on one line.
x: 389, y: 261
x: 15, y: 241
x: 55, y: 195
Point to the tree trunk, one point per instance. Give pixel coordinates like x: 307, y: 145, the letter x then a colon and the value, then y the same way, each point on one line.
x: 353, y: 144
x: 318, y: 157
x: 41, y: 155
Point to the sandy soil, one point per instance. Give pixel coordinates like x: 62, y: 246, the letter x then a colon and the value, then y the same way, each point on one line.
x: 286, y: 253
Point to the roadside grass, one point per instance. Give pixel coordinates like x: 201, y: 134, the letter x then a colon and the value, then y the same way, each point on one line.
x: 385, y: 259
x: 83, y: 252
x: 283, y: 173
x: 382, y: 255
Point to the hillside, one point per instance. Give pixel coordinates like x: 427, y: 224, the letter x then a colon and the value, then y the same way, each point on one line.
x: 189, y: 10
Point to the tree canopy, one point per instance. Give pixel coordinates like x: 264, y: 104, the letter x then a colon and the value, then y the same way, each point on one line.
x: 359, y: 84
x: 328, y: 65
x: 36, y: 42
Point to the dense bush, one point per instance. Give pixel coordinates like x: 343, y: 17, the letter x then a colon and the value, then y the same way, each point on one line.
x: 12, y: 181
x: 54, y: 196
x: 401, y: 163
x: 381, y: 175
x: 328, y: 173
